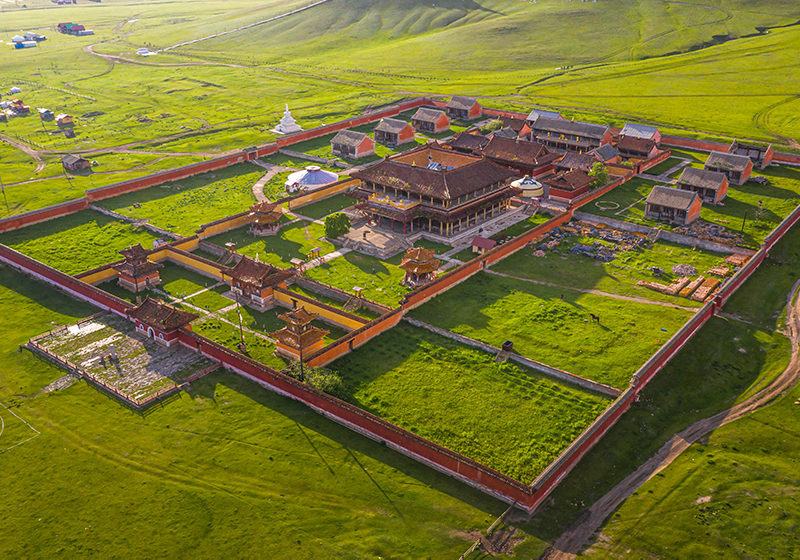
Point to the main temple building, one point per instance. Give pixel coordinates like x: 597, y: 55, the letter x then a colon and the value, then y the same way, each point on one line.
x: 433, y: 189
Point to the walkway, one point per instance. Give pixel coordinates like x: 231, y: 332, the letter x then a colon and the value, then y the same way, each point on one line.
x: 272, y: 170
x: 575, y: 539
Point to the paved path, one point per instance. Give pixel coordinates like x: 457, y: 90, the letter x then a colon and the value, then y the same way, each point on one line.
x: 575, y: 539
x: 595, y: 292
x: 323, y: 259
x: 272, y: 170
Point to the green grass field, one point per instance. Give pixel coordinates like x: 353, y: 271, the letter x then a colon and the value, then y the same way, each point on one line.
x: 380, y: 279
x: 294, y: 240
x: 77, y: 242
x: 502, y: 415
x: 318, y: 210
x: 561, y: 268
x: 557, y: 332
x: 199, y: 463
x: 185, y: 205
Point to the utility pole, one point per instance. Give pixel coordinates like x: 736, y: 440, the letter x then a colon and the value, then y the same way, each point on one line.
x: 744, y: 220
x: 3, y: 188
x: 242, y: 345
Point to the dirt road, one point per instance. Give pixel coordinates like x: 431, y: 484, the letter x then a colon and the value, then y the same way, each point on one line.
x: 577, y: 537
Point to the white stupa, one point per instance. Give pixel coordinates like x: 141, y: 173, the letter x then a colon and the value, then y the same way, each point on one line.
x: 288, y: 125
x: 311, y: 178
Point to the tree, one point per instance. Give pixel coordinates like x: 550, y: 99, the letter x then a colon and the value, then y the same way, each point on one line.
x: 491, y: 127
x: 336, y: 225
x: 600, y: 175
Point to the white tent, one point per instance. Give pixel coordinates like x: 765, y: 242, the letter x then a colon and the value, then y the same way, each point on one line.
x: 17, y: 39
x: 15, y: 89
x: 312, y: 177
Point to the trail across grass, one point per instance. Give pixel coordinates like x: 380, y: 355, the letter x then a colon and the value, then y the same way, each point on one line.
x: 556, y: 331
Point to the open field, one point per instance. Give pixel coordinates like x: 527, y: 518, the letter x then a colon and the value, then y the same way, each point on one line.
x: 561, y: 268
x: 318, y: 210
x: 733, y: 494
x: 294, y: 240
x: 206, y: 451
x: 77, y: 242
x: 502, y: 415
x: 183, y: 206
x: 558, y: 332
x: 779, y: 197
x: 380, y: 279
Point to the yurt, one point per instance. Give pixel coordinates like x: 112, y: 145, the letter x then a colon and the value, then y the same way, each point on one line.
x: 309, y: 179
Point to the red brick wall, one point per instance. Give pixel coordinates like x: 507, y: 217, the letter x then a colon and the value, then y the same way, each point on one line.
x: 43, y: 215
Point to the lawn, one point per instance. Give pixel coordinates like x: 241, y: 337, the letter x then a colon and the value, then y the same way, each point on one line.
x: 380, y: 279
x: 733, y: 495
x: 198, y: 462
x: 561, y: 268
x: 318, y: 210
x: 363, y: 312
x: 779, y: 197
x: 77, y: 242
x: 269, y: 321
x: 558, y: 332
x: 664, y: 166
x: 275, y: 188
x: 228, y: 335
x: 525, y: 225
x: 183, y: 206
x: 502, y: 415
x: 294, y: 240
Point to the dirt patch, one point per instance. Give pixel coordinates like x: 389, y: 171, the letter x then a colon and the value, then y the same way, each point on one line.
x: 702, y: 500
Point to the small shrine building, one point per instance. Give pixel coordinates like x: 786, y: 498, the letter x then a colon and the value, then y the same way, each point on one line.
x: 255, y: 280
x: 266, y: 217
x: 299, y: 337
x: 419, y: 265
x: 160, y: 321
x: 136, y: 273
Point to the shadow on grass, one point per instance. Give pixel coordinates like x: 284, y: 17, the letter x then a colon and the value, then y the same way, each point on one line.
x: 306, y: 419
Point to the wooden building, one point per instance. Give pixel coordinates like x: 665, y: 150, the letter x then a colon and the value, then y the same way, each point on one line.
x: 463, y: 108
x: 433, y: 189
x: 467, y: 142
x: 673, y: 206
x: 759, y: 155
x: 642, y: 131
x: 431, y: 121
x: 630, y: 147
x: 567, y: 185
x: 266, y: 218
x: 136, y: 273
x: 352, y: 145
x: 481, y: 244
x: 299, y: 338
x: 710, y: 186
x: 393, y: 132
x: 737, y: 168
x: 159, y: 321
x: 254, y: 280
x: 72, y: 162
x: 522, y: 156
x: 420, y: 266
x: 537, y: 114
x: 571, y: 161
x: 62, y: 119
x: 563, y: 135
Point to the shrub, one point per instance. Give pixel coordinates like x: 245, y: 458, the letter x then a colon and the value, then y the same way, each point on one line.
x: 336, y: 225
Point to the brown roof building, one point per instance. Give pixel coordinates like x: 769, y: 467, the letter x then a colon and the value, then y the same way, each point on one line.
x: 563, y: 135
x: 710, y: 186
x: 255, y: 280
x: 136, y: 273
x: 673, y: 206
x: 420, y: 266
x: 523, y: 156
x: 571, y: 161
x: 265, y: 218
x: 737, y: 168
x: 393, y: 132
x: 567, y: 184
x: 299, y: 337
x: 467, y: 143
x: 433, y: 189
x: 463, y: 108
x: 639, y: 148
x: 160, y: 321
x: 759, y: 155
x: 432, y: 121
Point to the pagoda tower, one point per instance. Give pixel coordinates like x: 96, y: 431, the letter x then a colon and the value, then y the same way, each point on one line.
x: 299, y: 337
x: 136, y: 273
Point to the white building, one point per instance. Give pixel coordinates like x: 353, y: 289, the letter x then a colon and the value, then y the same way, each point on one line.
x: 288, y: 124
x: 311, y: 178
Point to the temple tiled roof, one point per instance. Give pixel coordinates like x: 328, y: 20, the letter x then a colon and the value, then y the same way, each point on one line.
x: 635, y: 130
x: 727, y: 161
x: 349, y: 138
x: 702, y: 178
x: 572, y: 128
x: 671, y: 198
x: 259, y: 274
x: 571, y: 160
x: 633, y: 144
x: 427, y: 115
x: 133, y: 252
x: 521, y: 152
x: 159, y: 315
x: 569, y: 181
x: 459, y: 102
x: 393, y: 126
x: 467, y: 141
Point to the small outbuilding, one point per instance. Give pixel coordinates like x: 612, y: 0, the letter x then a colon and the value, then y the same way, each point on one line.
x: 759, y: 155
x: 46, y: 114
x: 737, y: 168
x: 393, y: 132
x: 567, y: 185
x: 673, y: 206
x: 530, y: 188
x: 136, y: 272
x: 710, y: 186
x: 72, y: 162
x: 481, y: 244
x: 160, y: 321
x: 352, y: 145
x: 420, y: 266
x: 430, y: 120
x: 463, y: 108
x: 642, y: 131
x: 255, y: 280
x: 637, y: 148
x: 62, y: 119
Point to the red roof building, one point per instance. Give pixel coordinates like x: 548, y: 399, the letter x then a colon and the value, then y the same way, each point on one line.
x: 567, y: 185
x: 160, y: 321
x: 255, y: 280
x: 420, y: 266
x: 136, y: 273
x: 299, y: 337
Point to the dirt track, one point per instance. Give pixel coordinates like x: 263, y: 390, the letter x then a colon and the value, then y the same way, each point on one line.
x: 576, y: 538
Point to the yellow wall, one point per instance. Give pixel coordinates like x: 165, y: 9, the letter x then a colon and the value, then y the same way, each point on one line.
x: 188, y: 245
x: 313, y: 196
x: 323, y: 312
x: 100, y: 276
x: 224, y: 226
x: 190, y: 261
